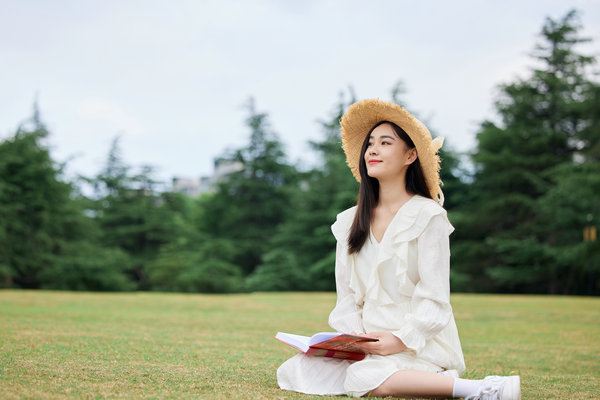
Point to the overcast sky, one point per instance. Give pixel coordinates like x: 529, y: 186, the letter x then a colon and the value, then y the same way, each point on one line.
x: 172, y: 77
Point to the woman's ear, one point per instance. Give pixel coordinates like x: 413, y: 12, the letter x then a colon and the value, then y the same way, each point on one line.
x: 412, y: 156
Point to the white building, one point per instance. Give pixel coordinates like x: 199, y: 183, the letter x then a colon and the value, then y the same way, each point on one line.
x: 205, y: 184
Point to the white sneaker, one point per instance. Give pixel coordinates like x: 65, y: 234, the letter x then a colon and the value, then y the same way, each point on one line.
x: 498, y: 388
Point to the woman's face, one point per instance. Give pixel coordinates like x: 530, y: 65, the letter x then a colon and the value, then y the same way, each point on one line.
x: 387, y: 156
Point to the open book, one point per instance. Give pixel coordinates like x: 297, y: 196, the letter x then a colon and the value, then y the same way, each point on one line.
x: 327, y: 344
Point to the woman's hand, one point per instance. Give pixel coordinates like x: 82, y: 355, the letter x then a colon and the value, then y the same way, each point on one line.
x: 388, y: 344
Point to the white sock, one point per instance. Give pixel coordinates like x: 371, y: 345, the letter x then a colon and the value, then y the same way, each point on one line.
x: 465, y: 387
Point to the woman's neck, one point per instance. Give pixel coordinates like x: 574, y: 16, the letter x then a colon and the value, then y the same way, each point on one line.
x: 393, y: 194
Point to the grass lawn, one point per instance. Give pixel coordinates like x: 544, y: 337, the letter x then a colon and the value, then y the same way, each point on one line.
x: 149, y: 345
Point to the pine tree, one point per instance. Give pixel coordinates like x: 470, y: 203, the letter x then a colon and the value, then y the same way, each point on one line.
x: 32, y: 199
x: 46, y: 240
x: 132, y: 214
x: 301, y: 254
x: 252, y: 201
x: 503, y: 242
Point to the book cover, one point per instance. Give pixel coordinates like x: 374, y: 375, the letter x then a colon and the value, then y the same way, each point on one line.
x: 327, y: 344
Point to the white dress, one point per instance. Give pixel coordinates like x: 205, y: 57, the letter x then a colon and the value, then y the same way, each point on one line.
x: 400, y: 285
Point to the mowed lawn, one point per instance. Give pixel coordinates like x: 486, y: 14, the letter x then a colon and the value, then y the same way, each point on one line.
x: 154, y: 345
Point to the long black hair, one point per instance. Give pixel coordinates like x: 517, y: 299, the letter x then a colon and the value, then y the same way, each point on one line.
x: 368, y: 193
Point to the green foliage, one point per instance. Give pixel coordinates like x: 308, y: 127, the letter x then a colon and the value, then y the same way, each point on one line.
x: 211, y: 276
x: 322, y: 273
x: 197, y: 264
x: 132, y: 215
x: 518, y: 208
x: 304, y: 240
x: 33, y: 207
x: 254, y: 199
x: 453, y: 175
x: 278, y: 272
x: 565, y: 208
x: 86, y: 266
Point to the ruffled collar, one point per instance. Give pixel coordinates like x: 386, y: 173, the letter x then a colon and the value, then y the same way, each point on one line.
x: 408, y: 224
x: 405, y: 218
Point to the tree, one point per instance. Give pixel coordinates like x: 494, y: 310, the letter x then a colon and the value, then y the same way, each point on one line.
x: 46, y: 240
x: 252, y: 201
x: 132, y: 215
x: 504, y: 241
x: 32, y: 200
x: 302, y: 255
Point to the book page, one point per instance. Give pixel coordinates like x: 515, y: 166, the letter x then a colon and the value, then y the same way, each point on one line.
x: 321, y: 337
x: 298, y: 341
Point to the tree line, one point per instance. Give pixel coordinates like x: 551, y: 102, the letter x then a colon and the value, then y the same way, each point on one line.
x: 519, y: 208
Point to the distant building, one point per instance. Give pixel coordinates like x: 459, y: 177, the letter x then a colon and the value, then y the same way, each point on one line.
x: 191, y: 186
x: 205, y: 184
x: 223, y: 168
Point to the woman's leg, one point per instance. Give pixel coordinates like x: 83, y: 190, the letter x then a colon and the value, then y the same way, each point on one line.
x: 411, y: 383
x: 415, y: 384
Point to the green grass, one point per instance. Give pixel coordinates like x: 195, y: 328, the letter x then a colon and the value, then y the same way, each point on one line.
x: 86, y: 345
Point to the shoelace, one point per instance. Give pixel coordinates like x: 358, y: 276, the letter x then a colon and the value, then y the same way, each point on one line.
x: 487, y: 393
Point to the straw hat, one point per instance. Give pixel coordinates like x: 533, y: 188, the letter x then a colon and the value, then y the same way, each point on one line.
x: 360, y: 118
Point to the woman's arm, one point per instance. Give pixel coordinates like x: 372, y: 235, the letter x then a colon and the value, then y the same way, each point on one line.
x: 430, y: 304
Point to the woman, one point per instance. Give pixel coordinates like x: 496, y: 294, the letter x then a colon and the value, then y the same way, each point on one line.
x: 392, y: 272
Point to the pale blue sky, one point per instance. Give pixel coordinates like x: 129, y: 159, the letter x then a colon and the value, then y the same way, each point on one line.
x: 171, y: 77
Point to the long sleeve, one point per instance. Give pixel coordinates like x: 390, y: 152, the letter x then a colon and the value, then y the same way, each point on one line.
x: 430, y: 303
x: 347, y: 315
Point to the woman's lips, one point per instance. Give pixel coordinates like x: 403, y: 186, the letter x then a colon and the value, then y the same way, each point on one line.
x: 371, y: 162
